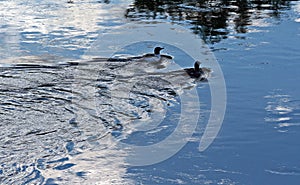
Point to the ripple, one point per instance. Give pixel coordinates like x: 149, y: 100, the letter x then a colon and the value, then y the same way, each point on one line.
x: 282, y: 110
x: 290, y: 171
x: 70, y: 115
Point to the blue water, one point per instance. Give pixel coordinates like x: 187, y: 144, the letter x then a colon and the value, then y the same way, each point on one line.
x: 53, y: 132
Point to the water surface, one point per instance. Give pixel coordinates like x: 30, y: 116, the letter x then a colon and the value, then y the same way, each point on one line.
x: 54, y: 132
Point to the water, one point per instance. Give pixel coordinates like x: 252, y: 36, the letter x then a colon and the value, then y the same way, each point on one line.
x: 54, y: 131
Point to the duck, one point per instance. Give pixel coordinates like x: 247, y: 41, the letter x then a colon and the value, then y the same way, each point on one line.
x: 197, y: 72
x: 149, y: 57
x: 155, y: 56
x: 156, y: 52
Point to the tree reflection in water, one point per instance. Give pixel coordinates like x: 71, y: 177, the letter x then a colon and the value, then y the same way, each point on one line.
x: 214, y: 20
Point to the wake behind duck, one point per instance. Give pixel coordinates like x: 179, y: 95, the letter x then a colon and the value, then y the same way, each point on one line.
x: 160, y: 61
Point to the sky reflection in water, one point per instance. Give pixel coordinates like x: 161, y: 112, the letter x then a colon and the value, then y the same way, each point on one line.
x: 54, y: 27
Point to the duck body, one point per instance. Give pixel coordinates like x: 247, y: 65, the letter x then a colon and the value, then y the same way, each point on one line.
x: 152, y: 57
x: 155, y: 56
x: 194, y: 73
x: 149, y: 57
x: 197, y: 72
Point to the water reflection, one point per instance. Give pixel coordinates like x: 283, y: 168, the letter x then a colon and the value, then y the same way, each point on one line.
x: 282, y: 111
x: 297, y: 9
x: 213, y: 20
x: 54, y: 27
x: 60, y: 122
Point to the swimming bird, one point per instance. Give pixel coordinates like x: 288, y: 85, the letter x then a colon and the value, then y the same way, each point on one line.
x: 149, y: 57
x: 155, y: 56
x: 198, y: 72
x: 156, y: 52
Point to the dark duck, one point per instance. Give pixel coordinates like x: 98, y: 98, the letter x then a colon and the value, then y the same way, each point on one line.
x: 150, y: 57
x: 197, y: 72
x: 156, y: 52
x: 155, y: 56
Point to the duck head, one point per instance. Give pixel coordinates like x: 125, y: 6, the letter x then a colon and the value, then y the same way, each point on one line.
x: 197, y: 65
x: 157, y: 50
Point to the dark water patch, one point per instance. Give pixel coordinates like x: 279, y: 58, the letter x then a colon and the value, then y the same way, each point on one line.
x: 64, y: 166
x: 70, y: 146
x: 50, y: 181
x: 81, y: 174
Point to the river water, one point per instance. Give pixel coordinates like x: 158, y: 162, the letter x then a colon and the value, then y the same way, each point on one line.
x: 70, y: 116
